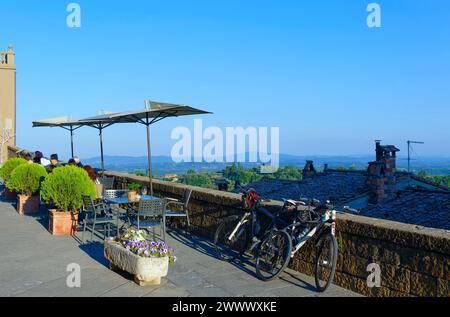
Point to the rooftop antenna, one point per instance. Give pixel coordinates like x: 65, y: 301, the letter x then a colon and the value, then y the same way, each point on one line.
x: 409, y: 157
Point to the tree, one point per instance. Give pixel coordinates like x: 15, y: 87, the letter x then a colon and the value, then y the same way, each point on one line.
x: 422, y: 174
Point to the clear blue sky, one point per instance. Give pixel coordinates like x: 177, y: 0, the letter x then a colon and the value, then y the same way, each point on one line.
x: 313, y: 68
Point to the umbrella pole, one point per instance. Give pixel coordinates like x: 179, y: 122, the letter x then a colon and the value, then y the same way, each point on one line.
x: 71, y: 139
x: 149, y: 155
x: 101, y: 147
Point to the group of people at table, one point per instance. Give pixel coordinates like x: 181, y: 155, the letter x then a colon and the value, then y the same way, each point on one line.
x: 54, y: 162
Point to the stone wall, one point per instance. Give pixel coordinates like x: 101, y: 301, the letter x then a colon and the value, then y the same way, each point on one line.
x: 414, y: 261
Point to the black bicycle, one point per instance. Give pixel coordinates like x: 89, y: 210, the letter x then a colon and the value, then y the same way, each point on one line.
x: 238, y: 234
x: 310, y: 219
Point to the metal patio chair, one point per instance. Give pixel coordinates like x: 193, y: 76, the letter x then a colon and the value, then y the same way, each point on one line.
x: 96, y: 214
x: 180, y: 204
x: 115, y: 193
x: 150, y: 214
x: 107, y: 182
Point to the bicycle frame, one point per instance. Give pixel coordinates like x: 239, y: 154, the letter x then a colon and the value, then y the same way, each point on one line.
x: 252, y: 216
x: 327, y: 223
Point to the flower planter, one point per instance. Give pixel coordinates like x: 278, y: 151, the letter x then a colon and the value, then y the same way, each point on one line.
x: 132, y: 195
x: 146, y: 271
x: 28, y: 205
x: 62, y: 223
x: 10, y: 195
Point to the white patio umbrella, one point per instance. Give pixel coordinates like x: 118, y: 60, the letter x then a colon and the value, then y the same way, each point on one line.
x: 154, y: 112
x: 66, y: 122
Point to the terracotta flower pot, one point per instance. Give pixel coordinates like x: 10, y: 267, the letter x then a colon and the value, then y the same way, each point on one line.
x: 62, y: 223
x: 132, y: 195
x: 9, y: 195
x: 28, y: 205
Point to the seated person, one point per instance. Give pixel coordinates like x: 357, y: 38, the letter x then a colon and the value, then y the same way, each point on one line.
x: 77, y: 161
x: 54, y: 163
x: 91, y: 174
x: 72, y: 162
x: 40, y: 159
x: 27, y: 157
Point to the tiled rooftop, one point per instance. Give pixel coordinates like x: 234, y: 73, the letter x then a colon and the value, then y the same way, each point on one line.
x: 426, y: 208
x: 427, y: 205
x: 335, y: 186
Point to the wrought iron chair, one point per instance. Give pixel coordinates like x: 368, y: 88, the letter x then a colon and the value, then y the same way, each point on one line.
x: 96, y: 214
x: 180, y: 204
x: 150, y: 214
x: 107, y: 182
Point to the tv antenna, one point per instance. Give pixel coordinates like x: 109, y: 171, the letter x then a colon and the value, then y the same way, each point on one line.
x: 409, y: 155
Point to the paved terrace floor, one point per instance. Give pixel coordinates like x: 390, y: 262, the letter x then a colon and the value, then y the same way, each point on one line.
x: 34, y: 263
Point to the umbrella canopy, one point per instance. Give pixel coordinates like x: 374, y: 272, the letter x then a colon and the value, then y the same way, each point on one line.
x: 66, y: 122
x: 155, y: 112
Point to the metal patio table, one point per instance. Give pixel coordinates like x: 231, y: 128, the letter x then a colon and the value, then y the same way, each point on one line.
x: 125, y: 201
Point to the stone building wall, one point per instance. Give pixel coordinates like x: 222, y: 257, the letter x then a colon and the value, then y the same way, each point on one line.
x: 7, y: 99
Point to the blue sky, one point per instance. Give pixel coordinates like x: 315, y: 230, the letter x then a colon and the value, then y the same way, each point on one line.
x: 312, y: 68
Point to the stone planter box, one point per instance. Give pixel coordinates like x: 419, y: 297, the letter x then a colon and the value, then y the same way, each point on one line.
x: 146, y: 271
x: 28, y: 205
x: 62, y: 223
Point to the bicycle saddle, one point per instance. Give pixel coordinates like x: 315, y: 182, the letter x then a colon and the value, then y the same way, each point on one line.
x: 294, y: 203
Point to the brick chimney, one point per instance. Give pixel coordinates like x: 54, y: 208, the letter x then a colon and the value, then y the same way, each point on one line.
x: 309, y: 171
x: 381, y: 177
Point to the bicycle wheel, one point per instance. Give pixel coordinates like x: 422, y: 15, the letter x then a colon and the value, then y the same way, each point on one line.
x: 326, y: 262
x: 273, y: 255
x: 229, y: 249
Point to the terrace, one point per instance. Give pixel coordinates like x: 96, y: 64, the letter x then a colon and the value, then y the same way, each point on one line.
x: 415, y: 260
x: 34, y: 263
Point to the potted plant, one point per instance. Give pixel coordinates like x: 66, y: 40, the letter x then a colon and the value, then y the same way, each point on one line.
x: 147, y: 260
x: 132, y: 191
x: 26, y: 180
x: 64, y: 188
x: 6, y: 171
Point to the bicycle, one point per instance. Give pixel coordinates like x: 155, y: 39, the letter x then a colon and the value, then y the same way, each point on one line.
x: 236, y: 235
x: 316, y: 220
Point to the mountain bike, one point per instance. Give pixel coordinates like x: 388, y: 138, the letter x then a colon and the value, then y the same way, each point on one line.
x: 238, y: 234
x: 317, y: 220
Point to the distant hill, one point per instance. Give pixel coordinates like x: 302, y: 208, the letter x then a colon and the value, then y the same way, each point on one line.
x: 164, y: 165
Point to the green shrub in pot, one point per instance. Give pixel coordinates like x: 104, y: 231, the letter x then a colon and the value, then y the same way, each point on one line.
x: 26, y: 179
x: 65, y: 186
x: 9, y: 166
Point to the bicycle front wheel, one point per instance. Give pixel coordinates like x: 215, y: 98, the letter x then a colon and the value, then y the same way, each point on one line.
x: 230, y: 239
x: 326, y: 262
x: 273, y: 255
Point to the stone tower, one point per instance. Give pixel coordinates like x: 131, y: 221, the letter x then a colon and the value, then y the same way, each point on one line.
x: 7, y: 101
